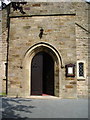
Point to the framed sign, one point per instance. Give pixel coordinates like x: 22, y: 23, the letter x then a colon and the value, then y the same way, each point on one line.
x: 70, y: 70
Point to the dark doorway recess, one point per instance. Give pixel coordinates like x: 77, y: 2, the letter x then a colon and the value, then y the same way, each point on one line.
x: 42, y: 74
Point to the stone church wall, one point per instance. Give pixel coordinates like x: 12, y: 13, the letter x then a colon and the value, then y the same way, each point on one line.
x: 82, y: 45
x: 27, y: 34
x: 3, y: 49
x: 0, y: 53
x: 63, y: 31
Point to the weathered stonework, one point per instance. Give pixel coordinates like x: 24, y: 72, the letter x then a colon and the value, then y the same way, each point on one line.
x: 82, y: 46
x: 0, y: 52
x: 65, y: 30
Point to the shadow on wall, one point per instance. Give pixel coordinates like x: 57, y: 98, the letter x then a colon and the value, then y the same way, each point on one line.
x: 12, y: 108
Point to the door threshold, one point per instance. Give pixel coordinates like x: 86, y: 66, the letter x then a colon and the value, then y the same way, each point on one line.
x: 42, y: 97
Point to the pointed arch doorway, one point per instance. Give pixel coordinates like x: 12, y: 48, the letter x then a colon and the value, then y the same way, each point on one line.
x: 42, y: 74
x: 49, y: 54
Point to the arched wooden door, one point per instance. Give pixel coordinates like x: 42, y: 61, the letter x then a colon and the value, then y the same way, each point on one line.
x: 42, y: 74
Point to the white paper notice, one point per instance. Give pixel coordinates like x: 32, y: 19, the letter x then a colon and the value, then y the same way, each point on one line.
x: 70, y: 70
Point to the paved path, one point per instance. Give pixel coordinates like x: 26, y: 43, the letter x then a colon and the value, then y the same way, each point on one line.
x: 44, y: 108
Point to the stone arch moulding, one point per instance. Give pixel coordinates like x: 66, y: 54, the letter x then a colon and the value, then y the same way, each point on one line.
x: 31, y: 52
